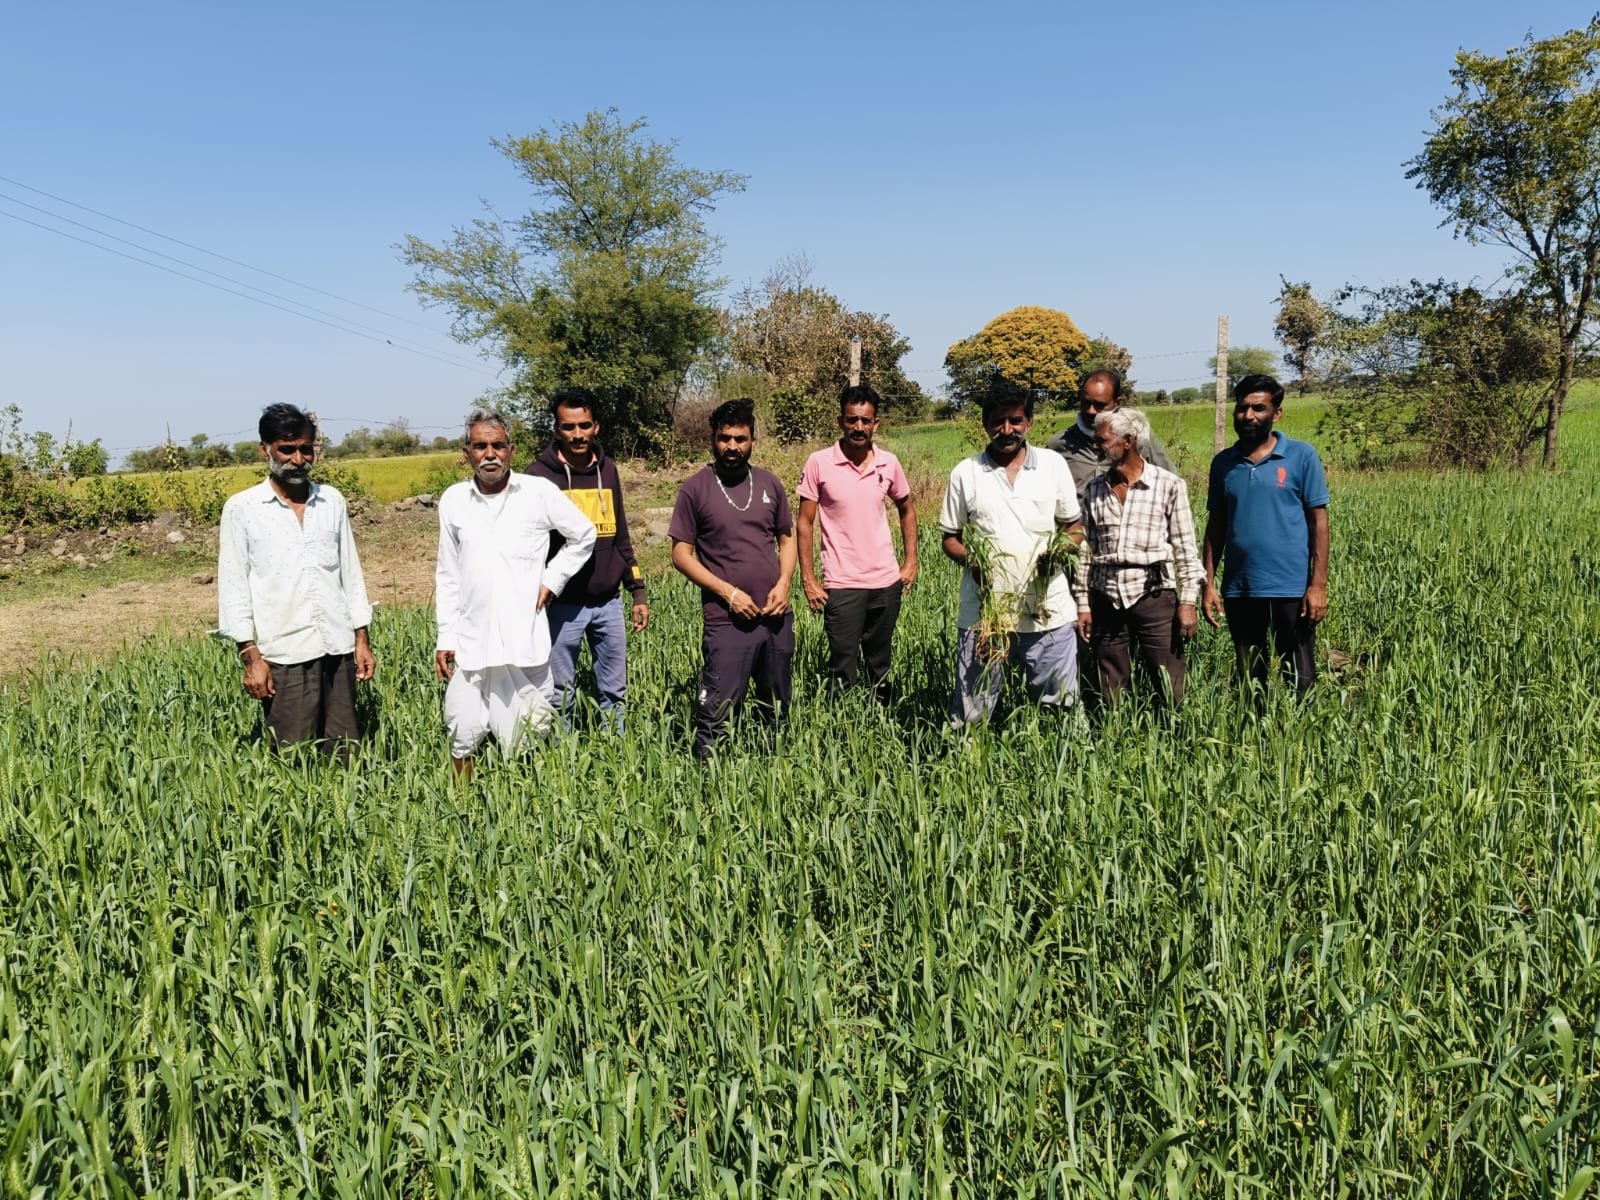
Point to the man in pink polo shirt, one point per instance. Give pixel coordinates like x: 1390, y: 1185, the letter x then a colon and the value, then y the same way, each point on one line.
x: 862, y: 583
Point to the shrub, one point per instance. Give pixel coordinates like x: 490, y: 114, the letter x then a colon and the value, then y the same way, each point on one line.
x: 346, y: 479
x: 799, y: 416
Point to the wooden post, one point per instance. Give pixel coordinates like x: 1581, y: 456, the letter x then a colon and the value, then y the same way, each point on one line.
x: 855, y: 360
x: 1222, y: 383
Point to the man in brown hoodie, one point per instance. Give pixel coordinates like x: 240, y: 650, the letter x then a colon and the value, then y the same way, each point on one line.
x: 589, y: 608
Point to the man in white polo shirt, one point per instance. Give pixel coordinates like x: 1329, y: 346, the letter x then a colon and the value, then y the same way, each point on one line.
x: 1013, y: 497
x: 290, y: 592
x: 492, y: 584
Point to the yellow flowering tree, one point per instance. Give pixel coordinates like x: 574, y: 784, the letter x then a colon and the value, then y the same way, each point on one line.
x: 1037, y: 348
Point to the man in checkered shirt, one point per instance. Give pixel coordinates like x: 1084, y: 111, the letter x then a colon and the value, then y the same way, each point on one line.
x: 1144, y: 567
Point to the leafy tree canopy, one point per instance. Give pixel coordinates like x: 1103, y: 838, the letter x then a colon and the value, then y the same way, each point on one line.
x: 1440, y: 372
x: 606, y: 281
x: 1301, y: 326
x: 1037, y: 348
x: 797, y: 336
x: 1514, y: 160
x: 1246, y: 360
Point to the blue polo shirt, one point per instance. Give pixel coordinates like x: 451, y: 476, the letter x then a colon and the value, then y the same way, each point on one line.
x: 1264, y: 506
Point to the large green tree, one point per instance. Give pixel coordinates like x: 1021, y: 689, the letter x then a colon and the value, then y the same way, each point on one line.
x: 1514, y: 160
x: 1034, y: 347
x: 606, y: 282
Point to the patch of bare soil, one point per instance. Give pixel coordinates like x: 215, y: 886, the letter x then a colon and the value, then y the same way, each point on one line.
x: 86, y: 595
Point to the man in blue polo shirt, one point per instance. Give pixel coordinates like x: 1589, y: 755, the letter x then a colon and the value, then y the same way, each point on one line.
x: 1267, y: 521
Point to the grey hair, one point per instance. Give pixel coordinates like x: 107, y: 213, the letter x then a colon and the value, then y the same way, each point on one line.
x: 1126, y: 422
x: 488, y: 416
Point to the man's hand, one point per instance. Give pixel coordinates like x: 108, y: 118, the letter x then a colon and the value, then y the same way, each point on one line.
x: 1086, y: 625
x: 743, y: 604
x: 1211, y: 601
x: 816, y: 594
x: 641, y: 616
x: 366, y: 661
x: 258, y: 683
x: 1188, y: 621
x: 444, y: 664
x: 544, y: 599
x: 908, y: 573
x: 1315, y: 605
x: 777, y: 601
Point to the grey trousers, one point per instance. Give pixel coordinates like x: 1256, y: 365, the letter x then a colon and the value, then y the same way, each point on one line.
x: 1048, y: 660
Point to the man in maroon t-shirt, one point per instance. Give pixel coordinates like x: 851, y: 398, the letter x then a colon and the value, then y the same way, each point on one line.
x: 731, y: 535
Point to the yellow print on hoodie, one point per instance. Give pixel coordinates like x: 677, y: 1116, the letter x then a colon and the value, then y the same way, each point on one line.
x: 596, y: 504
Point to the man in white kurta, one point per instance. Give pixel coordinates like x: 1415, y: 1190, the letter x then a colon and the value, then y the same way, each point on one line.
x: 492, y: 584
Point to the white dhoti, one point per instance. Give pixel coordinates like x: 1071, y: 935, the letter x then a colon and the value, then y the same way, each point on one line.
x: 503, y: 701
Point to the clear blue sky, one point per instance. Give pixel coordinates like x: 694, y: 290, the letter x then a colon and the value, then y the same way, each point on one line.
x: 1144, y: 167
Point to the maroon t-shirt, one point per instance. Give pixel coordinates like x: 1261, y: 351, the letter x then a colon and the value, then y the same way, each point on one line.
x: 739, y: 546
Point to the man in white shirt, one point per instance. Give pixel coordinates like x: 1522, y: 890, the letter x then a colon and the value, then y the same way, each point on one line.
x: 1000, y: 515
x: 492, y: 584
x: 291, y: 594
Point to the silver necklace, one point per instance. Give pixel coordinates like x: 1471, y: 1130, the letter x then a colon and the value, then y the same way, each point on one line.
x: 748, y: 500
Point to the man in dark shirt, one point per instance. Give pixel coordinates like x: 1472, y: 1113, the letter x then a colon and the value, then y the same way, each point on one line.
x: 1099, y: 392
x: 732, y: 536
x: 589, y: 608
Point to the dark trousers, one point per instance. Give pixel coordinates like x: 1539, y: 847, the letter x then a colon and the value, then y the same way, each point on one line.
x: 1254, y: 621
x: 314, y: 701
x: 1151, y: 624
x: 734, y: 656
x: 860, y: 624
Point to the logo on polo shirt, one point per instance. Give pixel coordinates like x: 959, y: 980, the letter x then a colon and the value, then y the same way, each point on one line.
x: 766, y: 498
x: 1283, y: 476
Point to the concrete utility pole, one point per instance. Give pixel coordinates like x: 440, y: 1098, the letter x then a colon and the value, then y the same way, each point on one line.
x: 855, y: 359
x: 1222, y: 382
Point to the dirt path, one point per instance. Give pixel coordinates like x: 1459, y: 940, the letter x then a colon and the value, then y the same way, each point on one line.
x: 80, y: 597
x: 90, y: 609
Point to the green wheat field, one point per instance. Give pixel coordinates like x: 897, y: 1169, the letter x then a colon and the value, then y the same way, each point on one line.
x: 1350, y: 950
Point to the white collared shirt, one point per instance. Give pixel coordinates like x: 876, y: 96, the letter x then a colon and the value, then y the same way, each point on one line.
x: 294, y: 587
x: 1018, y: 518
x: 492, y: 552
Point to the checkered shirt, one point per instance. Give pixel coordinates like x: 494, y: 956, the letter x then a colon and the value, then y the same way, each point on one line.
x: 1143, y: 544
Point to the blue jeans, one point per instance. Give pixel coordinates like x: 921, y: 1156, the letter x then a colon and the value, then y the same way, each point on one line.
x: 604, y: 629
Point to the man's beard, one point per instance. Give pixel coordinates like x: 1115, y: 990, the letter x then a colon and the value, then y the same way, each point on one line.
x: 1252, y: 433
x: 733, y: 465
x: 292, y: 474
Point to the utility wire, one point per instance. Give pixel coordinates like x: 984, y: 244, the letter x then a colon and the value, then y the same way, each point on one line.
x: 294, y: 312
x: 392, y: 338
x: 212, y: 253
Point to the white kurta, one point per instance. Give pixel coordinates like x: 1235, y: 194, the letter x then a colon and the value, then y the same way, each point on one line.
x: 492, y: 552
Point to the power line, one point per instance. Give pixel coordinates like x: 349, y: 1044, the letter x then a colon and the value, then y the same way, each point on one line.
x: 392, y: 338
x: 211, y: 253
x: 294, y: 312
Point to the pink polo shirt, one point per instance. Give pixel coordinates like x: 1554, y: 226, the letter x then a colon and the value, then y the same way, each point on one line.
x: 857, y: 551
